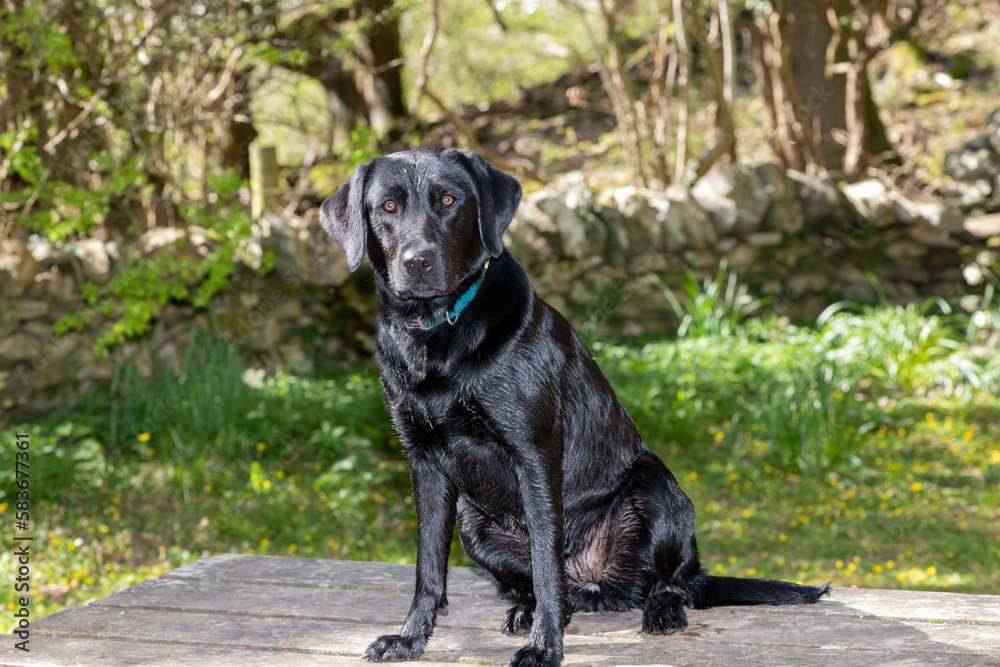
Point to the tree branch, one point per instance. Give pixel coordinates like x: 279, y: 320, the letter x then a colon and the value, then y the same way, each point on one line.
x: 88, y: 107
x: 683, y: 65
x: 726, y: 141
x: 517, y: 166
x: 216, y: 93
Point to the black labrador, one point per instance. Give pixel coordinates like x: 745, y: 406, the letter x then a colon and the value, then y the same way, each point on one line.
x: 509, y: 425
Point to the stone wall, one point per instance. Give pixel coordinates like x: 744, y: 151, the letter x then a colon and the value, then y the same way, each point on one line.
x: 308, y: 310
x: 796, y: 238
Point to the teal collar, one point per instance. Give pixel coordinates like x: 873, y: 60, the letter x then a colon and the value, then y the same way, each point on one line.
x: 451, y: 316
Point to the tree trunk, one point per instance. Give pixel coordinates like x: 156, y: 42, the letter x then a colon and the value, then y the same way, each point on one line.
x: 823, y: 98
x: 812, y: 61
x: 378, y: 78
x: 239, y: 132
x: 384, y: 43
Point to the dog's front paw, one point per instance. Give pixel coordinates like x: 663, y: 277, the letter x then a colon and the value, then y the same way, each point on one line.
x: 532, y: 656
x: 517, y: 620
x: 395, y: 647
x: 664, y: 615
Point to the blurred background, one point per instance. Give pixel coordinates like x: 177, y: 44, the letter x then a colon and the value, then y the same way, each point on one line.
x: 775, y: 223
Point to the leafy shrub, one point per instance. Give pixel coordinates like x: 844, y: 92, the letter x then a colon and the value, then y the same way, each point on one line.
x: 904, y: 348
x: 714, y: 308
x: 143, y: 286
x: 215, y: 409
x: 797, y: 397
x: 784, y: 401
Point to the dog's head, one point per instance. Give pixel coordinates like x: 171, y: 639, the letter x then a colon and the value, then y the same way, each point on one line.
x: 436, y: 215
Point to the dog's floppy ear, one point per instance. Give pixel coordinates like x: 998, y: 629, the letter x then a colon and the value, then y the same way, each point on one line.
x: 344, y: 217
x: 499, y: 195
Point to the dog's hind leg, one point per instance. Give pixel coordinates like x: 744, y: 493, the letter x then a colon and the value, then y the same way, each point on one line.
x: 674, y: 559
x: 608, y: 564
x: 676, y: 564
x: 504, y: 553
x: 671, y: 552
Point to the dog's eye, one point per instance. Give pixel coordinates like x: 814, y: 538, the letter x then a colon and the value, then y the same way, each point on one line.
x: 389, y: 206
x: 447, y: 200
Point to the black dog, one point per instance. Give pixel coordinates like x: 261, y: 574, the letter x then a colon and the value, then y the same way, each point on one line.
x: 509, y: 425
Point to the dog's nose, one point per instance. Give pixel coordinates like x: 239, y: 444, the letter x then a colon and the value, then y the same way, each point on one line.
x: 420, y: 263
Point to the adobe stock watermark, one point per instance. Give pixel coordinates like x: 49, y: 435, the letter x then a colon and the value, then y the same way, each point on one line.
x: 817, y: 99
x: 23, y: 539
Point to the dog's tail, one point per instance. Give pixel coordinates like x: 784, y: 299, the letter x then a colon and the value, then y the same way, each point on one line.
x: 712, y: 591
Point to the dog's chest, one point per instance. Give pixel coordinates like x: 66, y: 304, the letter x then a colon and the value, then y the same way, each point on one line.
x: 473, y: 455
x: 442, y: 419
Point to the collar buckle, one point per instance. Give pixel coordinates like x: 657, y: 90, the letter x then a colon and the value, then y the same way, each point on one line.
x: 419, y: 323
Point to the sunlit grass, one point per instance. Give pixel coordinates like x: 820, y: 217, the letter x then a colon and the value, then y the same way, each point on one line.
x: 920, y: 511
x: 141, y: 478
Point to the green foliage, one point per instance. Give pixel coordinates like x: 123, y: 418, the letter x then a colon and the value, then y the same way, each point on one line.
x: 714, y: 308
x: 214, y: 408
x: 475, y: 61
x: 363, y: 147
x: 60, y: 199
x: 268, y: 53
x: 58, y: 208
x: 67, y: 460
x: 27, y: 29
x: 799, y: 398
x: 93, y: 136
x: 983, y: 326
x: 780, y: 401
x: 904, y: 348
x: 146, y: 284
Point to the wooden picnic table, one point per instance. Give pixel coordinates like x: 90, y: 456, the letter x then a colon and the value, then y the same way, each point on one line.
x: 256, y: 611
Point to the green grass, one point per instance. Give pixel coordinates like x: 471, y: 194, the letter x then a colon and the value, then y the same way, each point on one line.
x: 918, y: 509
x: 715, y: 307
x: 865, y: 451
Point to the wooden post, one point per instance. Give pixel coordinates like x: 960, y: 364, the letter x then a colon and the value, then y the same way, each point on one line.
x: 263, y: 180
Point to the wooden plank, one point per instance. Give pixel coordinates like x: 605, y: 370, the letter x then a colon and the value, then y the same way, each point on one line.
x: 310, y: 572
x: 911, y: 605
x: 279, y: 638
x: 314, y: 572
x: 222, y: 628
x: 388, y: 608
x: 74, y: 652
x: 251, y: 610
x: 212, y: 630
x: 262, y: 600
